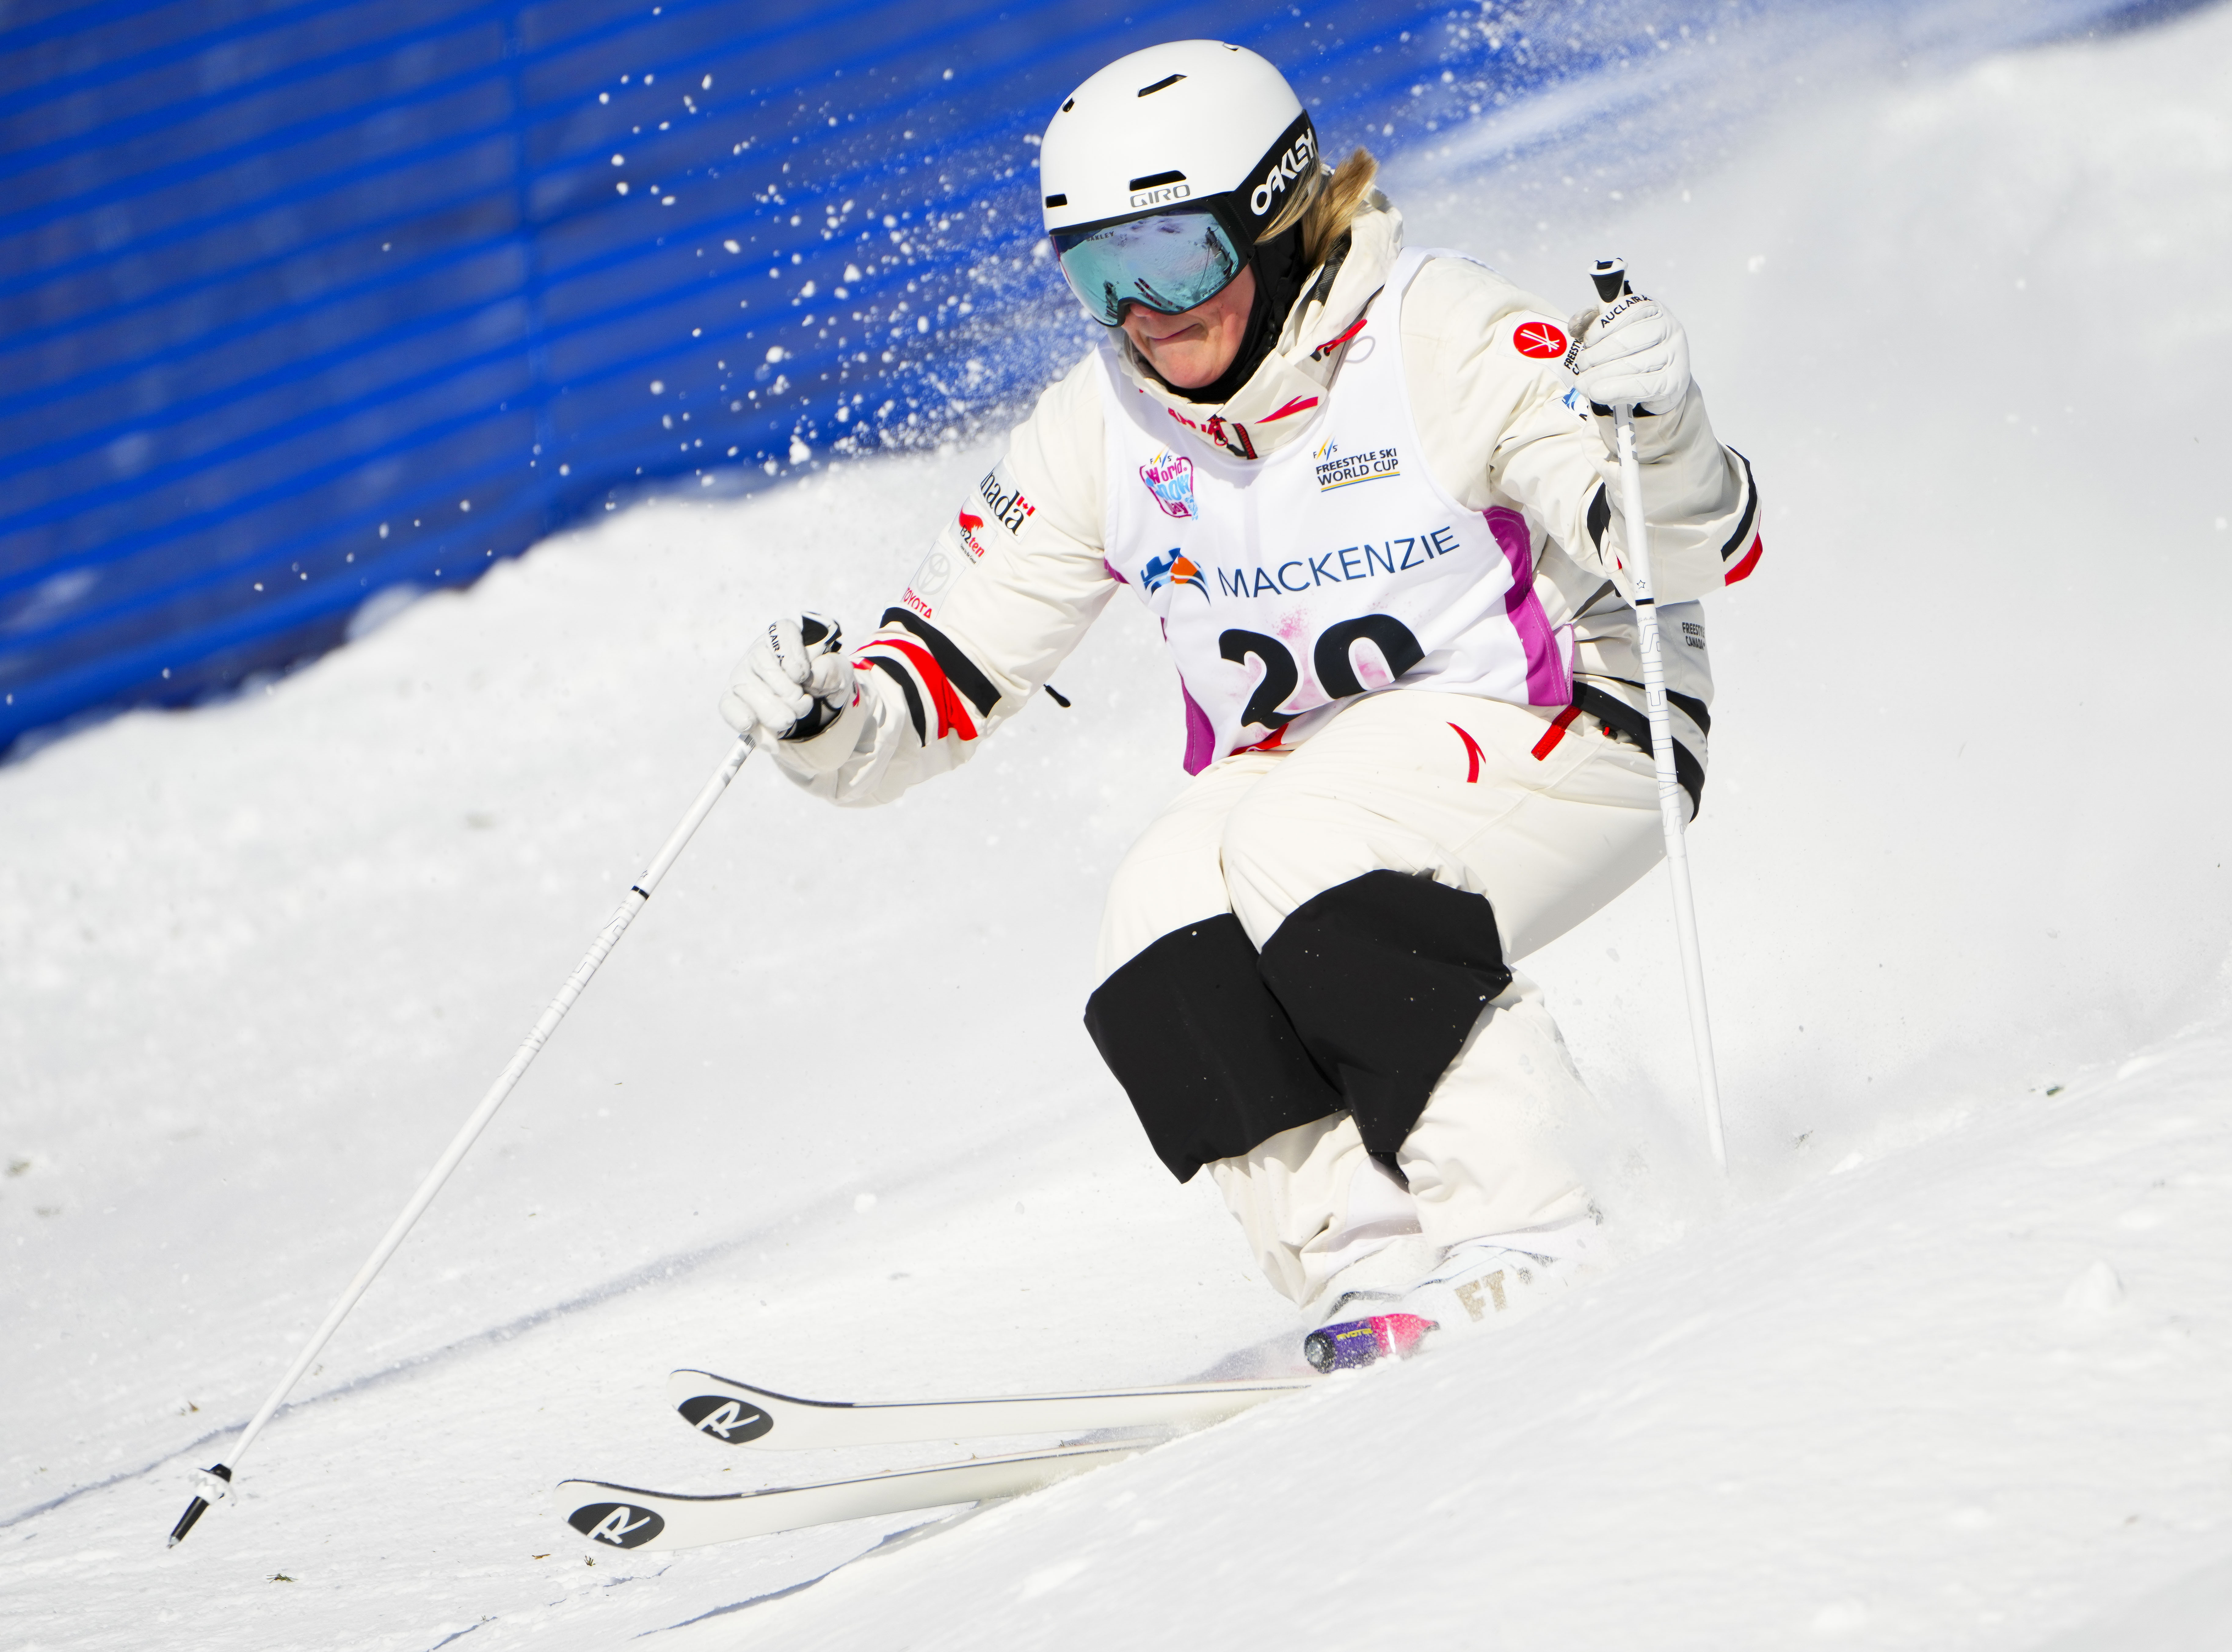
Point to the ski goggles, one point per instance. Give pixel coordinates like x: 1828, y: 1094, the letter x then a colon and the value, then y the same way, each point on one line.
x: 1170, y: 262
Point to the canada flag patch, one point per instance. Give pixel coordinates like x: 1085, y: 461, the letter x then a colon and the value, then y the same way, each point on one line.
x: 1541, y: 341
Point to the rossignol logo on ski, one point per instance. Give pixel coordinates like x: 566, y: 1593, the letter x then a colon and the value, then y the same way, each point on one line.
x: 1338, y: 469
x: 725, y: 1418
x: 621, y: 1525
x: 1539, y: 340
x: 1168, y: 476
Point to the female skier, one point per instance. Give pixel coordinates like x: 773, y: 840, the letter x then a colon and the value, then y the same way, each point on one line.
x: 1366, y: 491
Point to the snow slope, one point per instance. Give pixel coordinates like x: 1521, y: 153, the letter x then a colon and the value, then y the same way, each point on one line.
x: 1943, y: 1365
x: 1950, y: 1398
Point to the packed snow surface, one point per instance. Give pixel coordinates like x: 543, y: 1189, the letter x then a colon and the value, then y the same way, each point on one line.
x: 1945, y: 1362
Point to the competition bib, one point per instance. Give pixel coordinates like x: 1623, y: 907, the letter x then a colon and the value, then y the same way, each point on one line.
x: 1335, y: 567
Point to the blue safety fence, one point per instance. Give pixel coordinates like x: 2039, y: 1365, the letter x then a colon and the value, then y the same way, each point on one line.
x: 304, y: 299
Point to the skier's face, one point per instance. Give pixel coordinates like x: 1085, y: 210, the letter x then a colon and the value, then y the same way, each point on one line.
x: 1194, y: 347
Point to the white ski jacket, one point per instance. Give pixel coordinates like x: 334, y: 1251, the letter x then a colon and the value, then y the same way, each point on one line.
x: 1013, y: 580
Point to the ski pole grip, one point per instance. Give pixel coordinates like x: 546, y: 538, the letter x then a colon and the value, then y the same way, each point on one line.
x: 1610, y: 276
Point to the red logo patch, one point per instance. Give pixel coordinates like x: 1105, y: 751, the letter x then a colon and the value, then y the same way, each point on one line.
x: 1539, y: 339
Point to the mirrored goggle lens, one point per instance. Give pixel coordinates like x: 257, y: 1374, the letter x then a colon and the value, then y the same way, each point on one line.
x: 1168, y: 263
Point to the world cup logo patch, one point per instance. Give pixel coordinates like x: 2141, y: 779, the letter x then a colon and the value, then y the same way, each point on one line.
x: 1170, y: 477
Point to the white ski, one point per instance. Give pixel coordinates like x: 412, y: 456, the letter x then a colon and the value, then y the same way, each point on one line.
x: 626, y: 1518
x: 740, y: 1414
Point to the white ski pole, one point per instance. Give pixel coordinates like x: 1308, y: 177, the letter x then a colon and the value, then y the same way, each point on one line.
x: 214, y: 1482
x: 1610, y: 276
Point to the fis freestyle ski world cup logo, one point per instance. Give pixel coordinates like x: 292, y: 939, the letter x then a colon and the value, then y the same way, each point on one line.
x: 1176, y: 569
x: 1335, y: 468
x: 1541, y: 340
x: 1170, y: 477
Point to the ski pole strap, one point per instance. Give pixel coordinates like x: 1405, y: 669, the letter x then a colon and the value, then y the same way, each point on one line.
x: 1633, y: 726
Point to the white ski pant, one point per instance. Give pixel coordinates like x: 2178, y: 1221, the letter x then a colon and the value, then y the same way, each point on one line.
x: 1479, y: 795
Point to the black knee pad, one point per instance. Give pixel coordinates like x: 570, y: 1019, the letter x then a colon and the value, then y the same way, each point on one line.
x: 1382, y: 978
x: 1211, y: 1063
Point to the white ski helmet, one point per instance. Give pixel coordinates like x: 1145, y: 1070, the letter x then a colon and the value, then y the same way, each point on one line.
x: 1160, y: 173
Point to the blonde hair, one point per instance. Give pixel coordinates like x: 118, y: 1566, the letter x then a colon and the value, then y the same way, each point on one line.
x: 1327, y: 208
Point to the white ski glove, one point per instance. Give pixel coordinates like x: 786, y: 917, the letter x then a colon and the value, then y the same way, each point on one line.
x: 1632, y: 350
x: 794, y: 684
